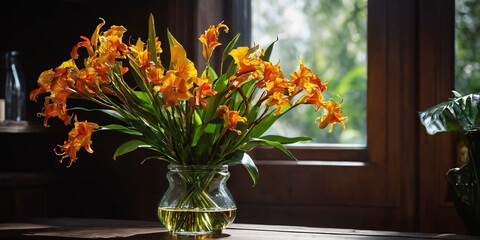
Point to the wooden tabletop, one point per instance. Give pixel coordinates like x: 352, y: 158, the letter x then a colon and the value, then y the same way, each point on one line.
x: 77, y: 228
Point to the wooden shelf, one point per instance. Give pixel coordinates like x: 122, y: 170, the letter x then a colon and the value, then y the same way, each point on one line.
x: 21, y: 127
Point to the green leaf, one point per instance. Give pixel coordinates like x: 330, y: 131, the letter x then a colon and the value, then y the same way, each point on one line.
x: 151, y: 40
x: 264, y: 125
x: 159, y: 158
x: 459, y: 113
x: 130, y: 146
x: 285, y: 140
x: 137, y: 76
x: 122, y: 129
x: 232, y: 69
x: 258, y: 141
x: 229, y: 47
x: 240, y: 157
x: 211, y: 73
x: 268, y: 52
x: 109, y: 112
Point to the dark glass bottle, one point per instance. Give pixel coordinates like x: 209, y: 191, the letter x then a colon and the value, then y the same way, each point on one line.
x: 15, y: 88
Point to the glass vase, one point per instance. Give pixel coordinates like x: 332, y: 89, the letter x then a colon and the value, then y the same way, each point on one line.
x: 197, y: 201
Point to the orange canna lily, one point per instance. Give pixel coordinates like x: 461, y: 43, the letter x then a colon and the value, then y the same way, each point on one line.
x: 154, y: 75
x: 231, y: 118
x: 333, y: 115
x: 204, y: 89
x: 185, y: 69
x: 209, y: 39
x: 111, y: 46
x: 307, y: 80
x: 173, y: 88
x: 78, y: 137
x: 315, y: 97
x: 280, y: 85
x: 55, y: 110
x: 279, y: 100
x: 248, y: 66
x: 239, y: 54
x: 271, y: 74
x: 44, y: 82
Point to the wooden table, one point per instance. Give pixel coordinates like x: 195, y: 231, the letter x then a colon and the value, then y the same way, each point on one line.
x: 77, y: 228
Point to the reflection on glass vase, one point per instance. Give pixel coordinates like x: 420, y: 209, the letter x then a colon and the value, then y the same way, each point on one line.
x: 197, y: 201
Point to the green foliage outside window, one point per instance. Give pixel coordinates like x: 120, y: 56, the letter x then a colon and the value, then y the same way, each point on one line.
x: 467, y: 46
x: 331, y: 38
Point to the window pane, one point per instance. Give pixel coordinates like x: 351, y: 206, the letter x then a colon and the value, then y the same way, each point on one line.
x: 330, y: 37
x: 467, y: 46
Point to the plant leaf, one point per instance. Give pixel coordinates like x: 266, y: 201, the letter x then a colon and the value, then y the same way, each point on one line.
x: 109, y: 112
x: 258, y: 141
x: 264, y: 125
x: 121, y: 128
x: 159, y: 158
x: 285, y: 140
x: 130, y: 146
x: 229, y: 47
x: 459, y: 113
x: 268, y: 52
x: 151, y: 40
x: 240, y: 157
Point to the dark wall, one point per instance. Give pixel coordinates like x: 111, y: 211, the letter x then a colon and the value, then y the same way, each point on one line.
x: 95, y: 186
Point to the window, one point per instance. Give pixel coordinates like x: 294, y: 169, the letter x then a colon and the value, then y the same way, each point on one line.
x: 467, y: 52
x: 331, y: 39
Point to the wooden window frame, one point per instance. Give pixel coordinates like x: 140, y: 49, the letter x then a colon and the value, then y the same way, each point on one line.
x: 376, y: 108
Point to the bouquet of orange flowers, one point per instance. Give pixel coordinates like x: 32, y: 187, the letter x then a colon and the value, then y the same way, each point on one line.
x: 186, y: 117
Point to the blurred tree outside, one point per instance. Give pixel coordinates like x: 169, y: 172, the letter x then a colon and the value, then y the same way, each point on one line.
x: 330, y: 38
x: 467, y: 46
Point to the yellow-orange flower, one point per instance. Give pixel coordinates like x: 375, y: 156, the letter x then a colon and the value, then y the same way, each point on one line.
x: 209, y: 39
x: 55, y: 110
x: 231, y: 118
x: 279, y: 100
x: 44, y: 82
x: 184, y: 68
x: 78, y: 137
x: 204, y: 89
x: 154, y: 74
x: 332, y: 116
x: 307, y: 80
x: 315, y: 97
x: 249, y: 65
x: 173, y: 88
x: 111, y: 46
x: 271, y: 74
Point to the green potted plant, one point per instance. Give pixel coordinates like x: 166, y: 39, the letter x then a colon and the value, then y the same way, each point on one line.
x: 461, y: 113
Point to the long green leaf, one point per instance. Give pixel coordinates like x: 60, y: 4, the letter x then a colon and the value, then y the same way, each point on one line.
x: 268, y: 52
x: 264, y: 125
x: 240, y: 157
x: 459, y: 113
x: 151, y: 40
x: 229, y: 47
x: 109, y: 112
x: 258, y: 141
x: 159, y: 158
x: 121, y: 128
x: 285, y: 140
x: 130, y: 146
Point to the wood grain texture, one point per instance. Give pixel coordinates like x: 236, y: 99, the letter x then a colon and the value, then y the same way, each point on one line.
x: 68, y: 228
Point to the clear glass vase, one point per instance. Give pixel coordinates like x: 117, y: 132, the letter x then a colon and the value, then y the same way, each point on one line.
x: 197, y: 201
